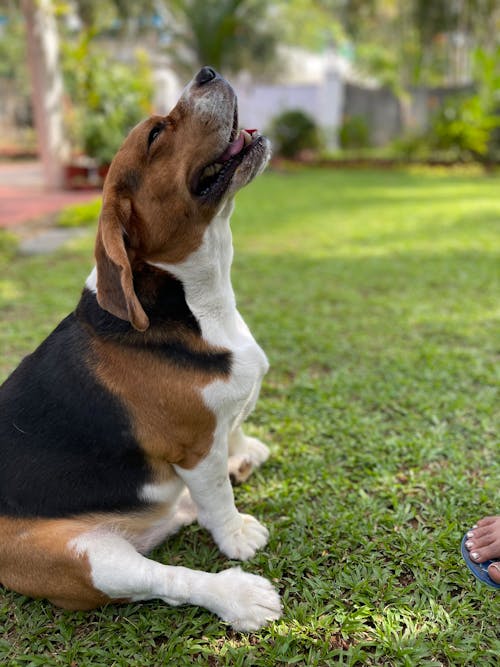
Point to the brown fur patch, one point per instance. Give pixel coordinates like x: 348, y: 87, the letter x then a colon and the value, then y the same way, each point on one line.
x: 148, y: 209
x: 35, y: 560
x: 170, y: 419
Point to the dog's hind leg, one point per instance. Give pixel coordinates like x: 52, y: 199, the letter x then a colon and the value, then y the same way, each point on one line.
x: 118, y: 571
x: 245, y: 454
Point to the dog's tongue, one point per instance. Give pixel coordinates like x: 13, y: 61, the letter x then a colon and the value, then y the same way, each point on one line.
x: 236, y: 146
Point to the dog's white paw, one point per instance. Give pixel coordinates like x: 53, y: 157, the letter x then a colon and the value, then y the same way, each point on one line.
x: 244, y: 600
x: 256, y: 450
x: 242, y: 538
x: 240, y: 468
x: 246, y: 454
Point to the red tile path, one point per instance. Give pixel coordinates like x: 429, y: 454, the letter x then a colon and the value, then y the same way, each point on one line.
x: 23, y: 197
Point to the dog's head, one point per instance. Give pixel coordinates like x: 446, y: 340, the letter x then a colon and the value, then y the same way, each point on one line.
x: 171, y: 177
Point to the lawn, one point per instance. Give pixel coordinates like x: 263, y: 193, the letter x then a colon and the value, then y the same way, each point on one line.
x: 376, y: 297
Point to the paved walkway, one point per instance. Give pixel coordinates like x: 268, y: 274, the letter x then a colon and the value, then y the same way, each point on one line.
x: 23, y: 198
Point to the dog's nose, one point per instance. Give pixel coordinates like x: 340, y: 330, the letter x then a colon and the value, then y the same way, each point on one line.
x: 205, y: 75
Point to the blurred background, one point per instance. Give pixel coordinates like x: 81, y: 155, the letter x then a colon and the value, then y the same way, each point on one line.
x: 343, y: 80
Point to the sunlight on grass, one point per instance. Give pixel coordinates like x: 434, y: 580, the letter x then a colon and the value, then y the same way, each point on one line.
x: 375, y: 296
x: 9, y: 291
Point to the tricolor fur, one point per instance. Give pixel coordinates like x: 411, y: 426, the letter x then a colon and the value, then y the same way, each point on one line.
x: 125, y: 424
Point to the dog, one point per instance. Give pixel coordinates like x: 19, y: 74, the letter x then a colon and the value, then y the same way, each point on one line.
x: 125, y: 423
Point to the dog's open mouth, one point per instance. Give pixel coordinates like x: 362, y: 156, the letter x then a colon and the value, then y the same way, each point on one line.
x: 213, y: 179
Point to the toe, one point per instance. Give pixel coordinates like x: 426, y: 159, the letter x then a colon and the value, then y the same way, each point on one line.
x: 494, y: 572
x: 477, y: 540
x: 478, y: 531
x: 488, y: 520
x: 490, y: 552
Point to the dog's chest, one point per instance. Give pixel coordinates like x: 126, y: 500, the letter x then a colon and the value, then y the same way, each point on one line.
x: 232, y: 399
x: 205, y: 276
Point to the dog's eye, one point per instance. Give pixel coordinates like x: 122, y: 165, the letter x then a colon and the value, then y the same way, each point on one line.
x: 155, y: 132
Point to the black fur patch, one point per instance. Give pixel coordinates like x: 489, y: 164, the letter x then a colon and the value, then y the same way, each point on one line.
x: 162, y: 297
x: 66, y: 444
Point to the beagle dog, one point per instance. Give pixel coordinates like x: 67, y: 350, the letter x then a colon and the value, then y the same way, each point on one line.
x: 125, y: 423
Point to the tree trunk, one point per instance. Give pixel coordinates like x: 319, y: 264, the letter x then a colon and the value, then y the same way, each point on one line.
x: 47, y: 87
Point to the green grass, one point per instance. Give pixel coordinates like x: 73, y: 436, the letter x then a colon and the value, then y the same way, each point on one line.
x: 80, y: 215
x: 376, y: 299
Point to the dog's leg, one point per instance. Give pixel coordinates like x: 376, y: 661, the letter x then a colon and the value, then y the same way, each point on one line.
x: 245, y: 454
x: 237, y: 535
x: 244, y: 600
x: 183, y: 514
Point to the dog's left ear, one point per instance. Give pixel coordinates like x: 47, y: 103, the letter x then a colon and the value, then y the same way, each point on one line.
x: 115, y: 282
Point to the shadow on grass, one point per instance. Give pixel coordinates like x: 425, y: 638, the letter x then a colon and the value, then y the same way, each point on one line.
x: 382, y: 413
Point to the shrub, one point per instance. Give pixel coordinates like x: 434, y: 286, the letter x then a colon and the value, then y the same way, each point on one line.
x: 294, y: 132
x: 354, y: 133
x: 80, y: 215
x: 469, y: 127
x: 8, y: 245
x: 463, y: 126
x: 107, y: 98
x: 412, y: 146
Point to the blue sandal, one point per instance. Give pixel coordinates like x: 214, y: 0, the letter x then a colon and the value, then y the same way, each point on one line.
x: 479, y: 570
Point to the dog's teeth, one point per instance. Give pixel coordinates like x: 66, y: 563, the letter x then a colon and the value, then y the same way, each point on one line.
x: 211, y: 170
x: 247, y: 137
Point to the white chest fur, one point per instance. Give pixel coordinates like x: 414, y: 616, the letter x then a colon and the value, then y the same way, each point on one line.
x: 205, y: 275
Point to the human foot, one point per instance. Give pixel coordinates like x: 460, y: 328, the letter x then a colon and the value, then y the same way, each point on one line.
x: 483, y: 544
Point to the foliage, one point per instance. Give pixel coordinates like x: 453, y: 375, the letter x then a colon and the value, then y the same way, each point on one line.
x: 381, y: 60
x: 310, y: 25
x: 13, y: 48
x: 14, y: 77
x: 415, y: 42
x: 354, y: 133
x: 230, y: 35
x: 375, y: 296
x: 80, y: 215
x: 110, y: 16
x: 8, y: 246
x: 107, y: 97
x: 294, y: 132
x: 464, y: 127
x: 473, y: 124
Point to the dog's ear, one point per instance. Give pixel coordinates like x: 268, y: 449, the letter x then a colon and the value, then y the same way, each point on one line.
x: 115, y: 283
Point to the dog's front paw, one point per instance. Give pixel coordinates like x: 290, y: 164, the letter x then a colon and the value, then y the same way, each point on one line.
x: 246, y: 601
x: 242, y: 538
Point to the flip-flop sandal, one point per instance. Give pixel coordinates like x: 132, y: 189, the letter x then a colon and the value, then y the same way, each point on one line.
x: 479, y: 570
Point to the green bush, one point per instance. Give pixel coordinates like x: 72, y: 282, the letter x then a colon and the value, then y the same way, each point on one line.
x: 412, y: 146
x: 294, y: 132
x: 107, y: 98
x: 460, y: 131
x: 354, y: 133
x: 464, y: 127
x: 8, y: 245
x: 80, y: 215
